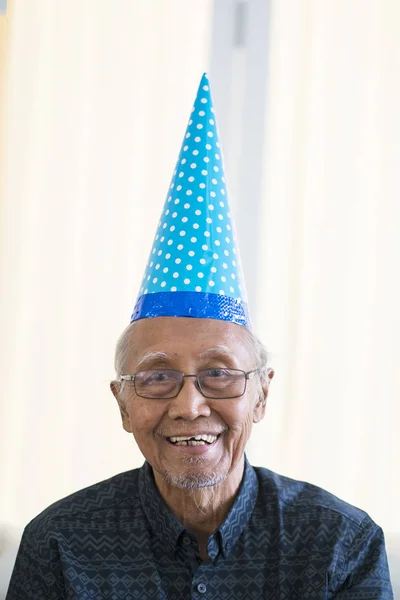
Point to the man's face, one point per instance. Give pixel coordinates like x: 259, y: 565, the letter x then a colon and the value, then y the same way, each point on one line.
x: 190, y: 345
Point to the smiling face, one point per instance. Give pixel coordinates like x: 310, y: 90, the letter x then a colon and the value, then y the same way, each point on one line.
x: 190, y: 346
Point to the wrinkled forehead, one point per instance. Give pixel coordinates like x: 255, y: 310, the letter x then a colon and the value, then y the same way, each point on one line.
x: 179, y: 337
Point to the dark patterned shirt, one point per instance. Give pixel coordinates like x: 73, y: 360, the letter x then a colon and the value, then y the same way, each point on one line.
x: 282, y: 539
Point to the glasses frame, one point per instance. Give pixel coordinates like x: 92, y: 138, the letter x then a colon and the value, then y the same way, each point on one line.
x: 247, y: 375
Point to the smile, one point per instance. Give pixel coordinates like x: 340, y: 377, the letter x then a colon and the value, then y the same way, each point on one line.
x: 195, y: 440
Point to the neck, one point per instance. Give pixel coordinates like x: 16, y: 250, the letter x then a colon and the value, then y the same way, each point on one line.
x: 202, y: 510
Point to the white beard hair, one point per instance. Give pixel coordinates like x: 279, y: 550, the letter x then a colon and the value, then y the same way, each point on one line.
x: 194, y: 481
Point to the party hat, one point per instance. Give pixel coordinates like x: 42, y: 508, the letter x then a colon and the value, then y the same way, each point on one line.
x: 194, y: 266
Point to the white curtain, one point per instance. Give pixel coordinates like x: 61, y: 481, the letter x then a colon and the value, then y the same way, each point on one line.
x: 329, y: 296
x: 97, y: 96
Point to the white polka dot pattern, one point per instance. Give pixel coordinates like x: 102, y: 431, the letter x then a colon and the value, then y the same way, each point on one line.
x: 194, y: 248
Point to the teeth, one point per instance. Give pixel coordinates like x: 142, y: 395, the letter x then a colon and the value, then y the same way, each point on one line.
x: 210, y: 438
x: 197, y: 440
x: 191, y: 443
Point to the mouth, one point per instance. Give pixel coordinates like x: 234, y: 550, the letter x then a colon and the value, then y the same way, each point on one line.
x: 206, y: 439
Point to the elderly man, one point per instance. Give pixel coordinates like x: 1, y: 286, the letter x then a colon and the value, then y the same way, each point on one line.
x: 197, y: 521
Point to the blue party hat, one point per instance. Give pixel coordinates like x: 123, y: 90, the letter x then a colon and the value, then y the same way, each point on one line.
x: 194, y: 266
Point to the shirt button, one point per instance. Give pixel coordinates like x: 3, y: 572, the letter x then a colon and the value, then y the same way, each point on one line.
x: 202, y: 588
x: 186, y: 541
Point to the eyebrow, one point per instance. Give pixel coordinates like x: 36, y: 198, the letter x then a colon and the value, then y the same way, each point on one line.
x: 216, y: 350
x: 152, y: 356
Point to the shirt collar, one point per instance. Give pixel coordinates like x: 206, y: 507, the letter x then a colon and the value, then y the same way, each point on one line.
x: 168, y: 529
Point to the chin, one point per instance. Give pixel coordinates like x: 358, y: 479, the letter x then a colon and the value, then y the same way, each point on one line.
x: 193, y: 481
x: 193, y: 474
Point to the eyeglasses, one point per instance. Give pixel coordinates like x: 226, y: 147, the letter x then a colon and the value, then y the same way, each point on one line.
x: 212, y: 383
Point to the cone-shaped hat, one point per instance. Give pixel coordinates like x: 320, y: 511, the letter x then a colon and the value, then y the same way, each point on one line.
x: 194, y: 265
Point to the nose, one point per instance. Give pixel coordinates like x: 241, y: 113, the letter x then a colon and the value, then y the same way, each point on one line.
x: 189, y: 403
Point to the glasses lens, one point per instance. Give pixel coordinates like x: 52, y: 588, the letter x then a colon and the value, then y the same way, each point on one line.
x: 161, y: 383
x: 222, y: 383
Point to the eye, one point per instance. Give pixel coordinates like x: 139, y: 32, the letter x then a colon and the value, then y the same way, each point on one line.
x: 153, y: 377
x: 158, y: 376
x: 215, y: 373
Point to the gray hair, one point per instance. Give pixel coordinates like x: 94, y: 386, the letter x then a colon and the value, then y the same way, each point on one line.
x: 258, y: 349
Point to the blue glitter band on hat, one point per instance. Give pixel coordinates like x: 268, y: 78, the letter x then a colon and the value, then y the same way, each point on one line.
x: 191, y: 304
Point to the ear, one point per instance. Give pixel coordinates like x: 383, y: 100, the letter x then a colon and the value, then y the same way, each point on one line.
x: 115, y: 387
x: 259, y: 409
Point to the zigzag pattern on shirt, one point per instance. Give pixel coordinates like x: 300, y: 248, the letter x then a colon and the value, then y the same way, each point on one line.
x: 117, y: 540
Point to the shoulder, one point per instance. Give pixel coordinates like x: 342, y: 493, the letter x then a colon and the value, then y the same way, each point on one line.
x: 303, y: 497
x: 111, y: 496
x: 311, y: 516
x: 308, y: 521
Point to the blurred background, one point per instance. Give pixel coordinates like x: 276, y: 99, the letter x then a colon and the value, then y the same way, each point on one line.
x: 94, y: 101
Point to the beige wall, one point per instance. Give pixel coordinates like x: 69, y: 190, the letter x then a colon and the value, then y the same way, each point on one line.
x: 5, y: 21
